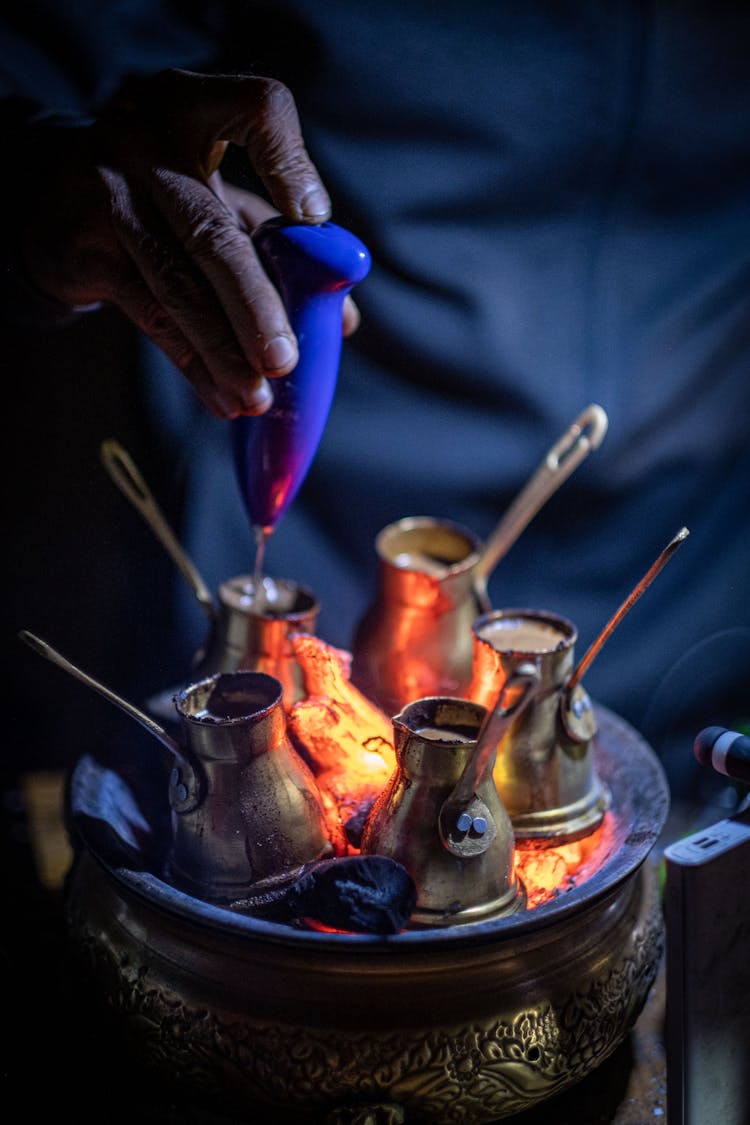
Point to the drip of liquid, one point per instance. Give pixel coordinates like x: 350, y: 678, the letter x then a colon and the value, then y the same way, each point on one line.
x: 261, y: 538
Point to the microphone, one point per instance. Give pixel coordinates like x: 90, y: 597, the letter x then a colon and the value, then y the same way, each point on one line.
x: 726, y: 751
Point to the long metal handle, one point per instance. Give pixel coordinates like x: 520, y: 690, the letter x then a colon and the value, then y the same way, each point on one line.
x: 593, y: 650
x: 585, y: 434
x: 46, y: 650
x: 514, y: 695
x: 129, y: 480
x: 463, y: 802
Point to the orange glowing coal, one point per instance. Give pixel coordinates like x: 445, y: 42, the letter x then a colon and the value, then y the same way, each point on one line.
x: 547, y: 871
x: 346, y: 740
x: 348, y: 743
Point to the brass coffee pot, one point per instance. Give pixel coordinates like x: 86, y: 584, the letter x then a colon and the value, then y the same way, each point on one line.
x: 414, y: 640
x: 440, y: 815
x: 245, y: 809
x: 252, y: 629
x: 546, y: 777
x: 545, y: 770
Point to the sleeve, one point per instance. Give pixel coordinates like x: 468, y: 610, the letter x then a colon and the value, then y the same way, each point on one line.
x: 60, y: 64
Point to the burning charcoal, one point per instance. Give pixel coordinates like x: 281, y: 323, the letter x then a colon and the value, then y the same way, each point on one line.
x: 347, y: 741
x: 365, y: 894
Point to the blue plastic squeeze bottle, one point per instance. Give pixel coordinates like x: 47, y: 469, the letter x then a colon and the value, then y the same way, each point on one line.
x: 313, y: 269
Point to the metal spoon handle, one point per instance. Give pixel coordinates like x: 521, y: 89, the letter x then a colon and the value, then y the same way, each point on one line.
x: 585, y: 434
x: 128, y: 479
x: 515, y: 693
x: 593, y: 650
x: 46, y: 650
x: 463, y: 802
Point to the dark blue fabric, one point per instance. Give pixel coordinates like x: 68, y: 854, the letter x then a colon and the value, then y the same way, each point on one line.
x: 557, y: 200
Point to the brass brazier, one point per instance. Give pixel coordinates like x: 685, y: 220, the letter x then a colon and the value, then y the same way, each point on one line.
x: 464, y: 1024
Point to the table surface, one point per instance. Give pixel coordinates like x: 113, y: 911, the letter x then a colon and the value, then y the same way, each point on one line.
x: 58, y: 1061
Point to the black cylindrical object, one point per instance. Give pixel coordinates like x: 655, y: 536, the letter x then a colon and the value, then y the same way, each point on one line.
x: 726, y: 751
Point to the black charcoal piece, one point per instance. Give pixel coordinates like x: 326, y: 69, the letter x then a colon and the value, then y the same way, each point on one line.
x: 103, y: 805
x: 354, y: 826
x: 364, y: 894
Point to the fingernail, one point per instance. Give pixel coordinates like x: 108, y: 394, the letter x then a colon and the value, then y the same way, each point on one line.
x: 316, y: 204
x: 351, y: 317
x: 279, y: 353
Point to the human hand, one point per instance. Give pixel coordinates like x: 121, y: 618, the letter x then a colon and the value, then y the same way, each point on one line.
x: 132, y: 211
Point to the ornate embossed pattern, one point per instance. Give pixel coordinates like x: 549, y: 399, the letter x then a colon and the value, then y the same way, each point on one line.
x: 461, y: 1075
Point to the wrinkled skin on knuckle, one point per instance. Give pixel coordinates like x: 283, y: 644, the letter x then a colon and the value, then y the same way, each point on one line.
x: 275, y: 127
x: 175, y: 286
x: 186, y: 301
x: 124, y: 215
x: 211, y: 229
x: 217, y: 236
x: 123, y: 219
x: 274, y: 104
x: 165, y: 270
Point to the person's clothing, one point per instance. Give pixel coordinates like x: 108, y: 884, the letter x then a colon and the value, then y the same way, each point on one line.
x: 557, y: 201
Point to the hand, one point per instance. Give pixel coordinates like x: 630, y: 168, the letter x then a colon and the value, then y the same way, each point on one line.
x: 132, y: 211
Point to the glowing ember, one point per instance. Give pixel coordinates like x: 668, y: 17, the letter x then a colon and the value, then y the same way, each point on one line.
x: 348, y: 743
x: 547, y: 871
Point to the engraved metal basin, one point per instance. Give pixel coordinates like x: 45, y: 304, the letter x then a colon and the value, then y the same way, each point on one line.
x: 464, y: 1024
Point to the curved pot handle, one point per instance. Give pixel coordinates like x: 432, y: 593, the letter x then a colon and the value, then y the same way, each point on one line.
x: 462, y: 802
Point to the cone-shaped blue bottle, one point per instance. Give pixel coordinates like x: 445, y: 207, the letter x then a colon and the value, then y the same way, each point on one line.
x: 313, y: 269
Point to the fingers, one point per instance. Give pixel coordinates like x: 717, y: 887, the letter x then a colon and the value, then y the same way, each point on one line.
x: 278, y: 154
x: 224, y: 254
x: 169, y: 297
x: 351, y: 318
x: 259, y: 114
x: 223, y: 401
x: 197, y: 286
x: 251, y: 210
